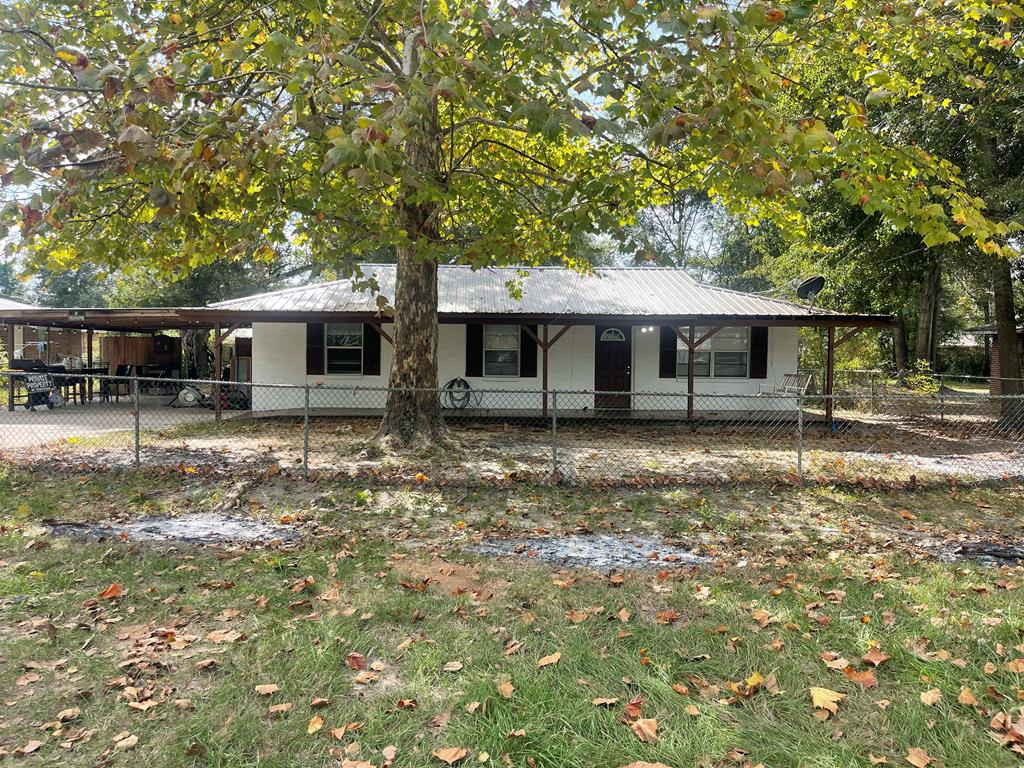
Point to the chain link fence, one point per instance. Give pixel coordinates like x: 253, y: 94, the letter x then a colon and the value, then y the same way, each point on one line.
x: 509, y: 435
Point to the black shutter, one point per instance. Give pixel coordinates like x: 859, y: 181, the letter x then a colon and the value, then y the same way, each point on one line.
x: 314, y: 349
x: 527, y: 353
x: 474, y: 350
x: 667, y: 353
x: 371, y: 350
x: 759, y: 353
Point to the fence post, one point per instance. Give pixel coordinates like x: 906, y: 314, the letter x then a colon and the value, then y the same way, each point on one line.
x: 800, y: 437
x: 305, y: 434
x: 135, y: 408
x: 942, y: 401
x: 871, y: 379
x: 554, y: 437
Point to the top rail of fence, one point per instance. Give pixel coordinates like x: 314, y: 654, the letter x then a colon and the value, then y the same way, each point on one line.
x: 355, y: 387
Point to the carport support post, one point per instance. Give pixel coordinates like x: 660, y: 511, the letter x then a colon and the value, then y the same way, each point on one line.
x: 217, y: 340
x: 135, y: 410
x: 9, y: 343
x: 88, y: 359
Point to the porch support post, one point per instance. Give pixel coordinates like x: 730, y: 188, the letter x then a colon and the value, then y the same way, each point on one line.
x: 545, y: 344
x: 88, y: 361
x: 830, y: 372
x: 217, y: 342
x: 691, y: 346
x: 544, y: 371
x: 9, y: 343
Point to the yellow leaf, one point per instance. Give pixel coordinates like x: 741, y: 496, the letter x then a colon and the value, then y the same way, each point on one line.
x: 828, y: 700
x: 315, y: 724
x: 548, y: 660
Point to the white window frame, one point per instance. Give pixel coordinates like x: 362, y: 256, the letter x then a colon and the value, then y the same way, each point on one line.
x: 519, y: 352
x: 709, y: 347
x: 361, y: 347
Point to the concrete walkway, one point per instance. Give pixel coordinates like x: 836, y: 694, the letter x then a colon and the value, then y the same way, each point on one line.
x: 22, y: 428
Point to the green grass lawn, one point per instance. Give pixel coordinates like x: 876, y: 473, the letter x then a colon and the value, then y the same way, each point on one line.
x: 383, y: 641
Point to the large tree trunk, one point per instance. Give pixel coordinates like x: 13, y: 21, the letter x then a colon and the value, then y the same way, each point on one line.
x: 1006, y: 339
x: 195, y: 353
x: 412, y: 415
x: 925, y: 346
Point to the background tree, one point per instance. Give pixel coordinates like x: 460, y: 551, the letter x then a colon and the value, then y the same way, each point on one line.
x: 175, y: 135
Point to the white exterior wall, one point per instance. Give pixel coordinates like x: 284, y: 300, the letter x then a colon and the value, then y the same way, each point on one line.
x: 279, y: 357
x: 783, y: 356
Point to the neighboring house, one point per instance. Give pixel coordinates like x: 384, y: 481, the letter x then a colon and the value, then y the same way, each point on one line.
x: 995, y: 372
x: 621, y: 330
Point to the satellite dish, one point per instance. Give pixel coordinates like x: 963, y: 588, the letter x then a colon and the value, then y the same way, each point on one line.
x: 810, y: 287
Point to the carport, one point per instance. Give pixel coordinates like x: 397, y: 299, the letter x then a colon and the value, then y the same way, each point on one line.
x: 123, y: 320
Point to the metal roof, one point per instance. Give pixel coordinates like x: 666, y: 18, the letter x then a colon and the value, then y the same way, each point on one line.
x: 546, y: 291
x: 11, y: 304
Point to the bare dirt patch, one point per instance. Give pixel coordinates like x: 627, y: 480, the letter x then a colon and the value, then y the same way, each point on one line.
x: 451, y: 578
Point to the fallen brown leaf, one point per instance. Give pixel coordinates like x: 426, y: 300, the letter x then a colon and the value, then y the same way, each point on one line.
x: 450, y: 755
x: 918, y: 758
x: 111, y: 592
x: 646, y: 730
x: 931, y: 697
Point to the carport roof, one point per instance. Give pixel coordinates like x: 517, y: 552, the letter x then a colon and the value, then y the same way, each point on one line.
x: 127, y: 319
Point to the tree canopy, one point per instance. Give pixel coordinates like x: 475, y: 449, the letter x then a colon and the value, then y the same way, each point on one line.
x: 183, y: 133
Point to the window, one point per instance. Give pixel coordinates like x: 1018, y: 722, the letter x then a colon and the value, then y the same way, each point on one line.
x: 501, y: 350
x: 344, y: 342
x: 613, y: 334
x: 725, y: 355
